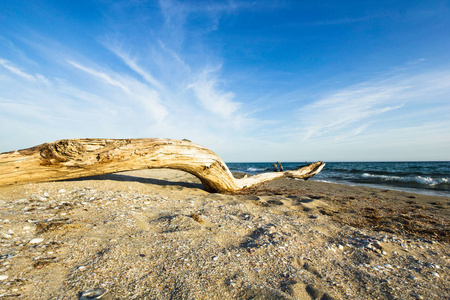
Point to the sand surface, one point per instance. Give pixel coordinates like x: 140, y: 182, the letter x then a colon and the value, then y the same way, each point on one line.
x: 156, y: 234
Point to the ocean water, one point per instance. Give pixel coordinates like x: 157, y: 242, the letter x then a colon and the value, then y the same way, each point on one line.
x: 418, y: 177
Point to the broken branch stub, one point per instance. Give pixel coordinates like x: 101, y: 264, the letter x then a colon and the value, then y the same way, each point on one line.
x: 75, y: 158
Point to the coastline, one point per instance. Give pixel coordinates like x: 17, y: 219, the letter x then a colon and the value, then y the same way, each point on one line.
x: 422, y: 177
x: 429, y: 192
x: 156, y: 234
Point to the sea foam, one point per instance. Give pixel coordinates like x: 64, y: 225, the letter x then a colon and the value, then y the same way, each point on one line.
x: 425, y: 180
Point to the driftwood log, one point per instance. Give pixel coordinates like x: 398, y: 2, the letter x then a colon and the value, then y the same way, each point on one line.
x: 275, y: 167
x: 281, y: 166
x: 75, y: 158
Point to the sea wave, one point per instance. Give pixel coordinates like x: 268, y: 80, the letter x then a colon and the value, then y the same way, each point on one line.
x: 326, y: 181
x: 425, y: 180
x: 254, y: 169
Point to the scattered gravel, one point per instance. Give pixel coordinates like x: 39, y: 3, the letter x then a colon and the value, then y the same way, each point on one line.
x: 125, y: 239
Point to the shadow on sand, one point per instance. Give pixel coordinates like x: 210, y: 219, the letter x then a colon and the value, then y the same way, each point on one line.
x: 123, y: 177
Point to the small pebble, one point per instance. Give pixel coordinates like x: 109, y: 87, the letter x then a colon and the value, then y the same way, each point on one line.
x: 3, y: 277
x: 6, y: 236
x: 435, y: 274
x: 92, y: 294
x: 36, y: 240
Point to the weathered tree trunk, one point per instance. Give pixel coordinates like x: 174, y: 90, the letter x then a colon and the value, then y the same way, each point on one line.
x: 75, y: 158
x: 275, y: 167
x: 281, y: 166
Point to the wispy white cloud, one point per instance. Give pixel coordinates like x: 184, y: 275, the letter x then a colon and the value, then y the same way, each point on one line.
x: 177, y: 79
x: 135, y: 92
x: 132, y: 63
x: 24, y: 109
x: 106, y: 78
x: 185, y: 81
x: 346, y: 108
x: 17, y: 71
x: 212, y: 99
x: 176, y: 14
x: 175, y: 56
x: 360, y: 106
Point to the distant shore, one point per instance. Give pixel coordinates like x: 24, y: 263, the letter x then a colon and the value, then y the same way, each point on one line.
x: 157, y: 234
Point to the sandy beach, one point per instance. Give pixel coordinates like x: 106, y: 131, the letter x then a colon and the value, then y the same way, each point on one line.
x: 157, y: 234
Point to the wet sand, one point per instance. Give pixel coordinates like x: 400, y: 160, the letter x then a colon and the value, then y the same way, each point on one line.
x: 156, y: 234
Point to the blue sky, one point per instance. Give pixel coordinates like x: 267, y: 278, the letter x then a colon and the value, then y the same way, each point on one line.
x: 251, y: 80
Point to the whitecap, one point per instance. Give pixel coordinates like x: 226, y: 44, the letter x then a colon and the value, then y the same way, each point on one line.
x: 425, y: 180
x: 252, y: 169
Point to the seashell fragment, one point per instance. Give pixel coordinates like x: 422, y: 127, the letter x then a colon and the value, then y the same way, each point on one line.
x: 36, y: 240
x: 92, y: 294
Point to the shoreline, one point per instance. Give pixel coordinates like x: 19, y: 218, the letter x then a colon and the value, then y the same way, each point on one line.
x: 429, y: 192
x: 156, y: 234
x: 364, y: 206
x: 418, y: 177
